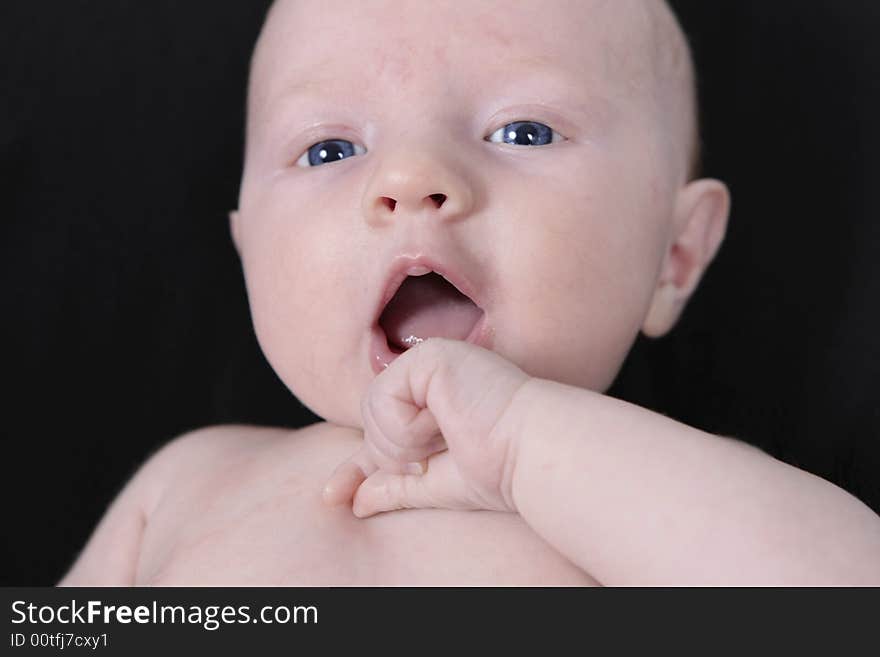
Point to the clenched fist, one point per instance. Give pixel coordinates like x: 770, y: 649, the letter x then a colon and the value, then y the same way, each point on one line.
x: 437, y: 433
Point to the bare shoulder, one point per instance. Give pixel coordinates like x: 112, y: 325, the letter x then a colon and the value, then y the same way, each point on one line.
x: 210, y: 444
x: 222, y: 441
x: 232, y: 461
x: 217, y: 449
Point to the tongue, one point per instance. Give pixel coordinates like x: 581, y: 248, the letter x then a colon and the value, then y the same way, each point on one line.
x: 428, y: 307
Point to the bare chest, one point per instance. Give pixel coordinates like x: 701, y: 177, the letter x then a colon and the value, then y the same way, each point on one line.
x: 260, y: 521
x: 272, y: 544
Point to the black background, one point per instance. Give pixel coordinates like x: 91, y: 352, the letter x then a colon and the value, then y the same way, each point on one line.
x: 124, y: 318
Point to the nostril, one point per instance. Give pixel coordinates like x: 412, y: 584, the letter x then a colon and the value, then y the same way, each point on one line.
x: 439, y: 199
x: 390, y: 203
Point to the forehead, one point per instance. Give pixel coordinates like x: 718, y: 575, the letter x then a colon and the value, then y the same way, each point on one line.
x: 310, y: 45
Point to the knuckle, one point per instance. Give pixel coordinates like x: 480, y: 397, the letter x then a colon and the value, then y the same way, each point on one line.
x: 396, y: 453
x: 397, y: 493
x: 413, y: 492
x: 390, y: 456
x: 368, y: 411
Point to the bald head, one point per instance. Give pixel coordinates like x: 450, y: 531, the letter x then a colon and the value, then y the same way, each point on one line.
x: 644, y: 47
x: 674, y: 74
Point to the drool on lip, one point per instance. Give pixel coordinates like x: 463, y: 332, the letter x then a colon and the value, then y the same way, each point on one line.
x: 427, y: 306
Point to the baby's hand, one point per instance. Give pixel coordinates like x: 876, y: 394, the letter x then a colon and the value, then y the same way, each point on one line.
x: 432, y: 433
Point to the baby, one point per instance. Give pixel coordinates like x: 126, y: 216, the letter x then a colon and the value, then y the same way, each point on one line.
x: 455, y: 218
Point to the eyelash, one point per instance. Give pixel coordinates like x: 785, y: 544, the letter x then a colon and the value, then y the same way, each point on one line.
x: 305, y: 161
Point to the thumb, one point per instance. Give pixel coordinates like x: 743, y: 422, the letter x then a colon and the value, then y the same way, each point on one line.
x: 344, y: 482
x: 441, y: 487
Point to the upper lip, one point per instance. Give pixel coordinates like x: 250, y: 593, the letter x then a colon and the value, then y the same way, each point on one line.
x: 402, y: 265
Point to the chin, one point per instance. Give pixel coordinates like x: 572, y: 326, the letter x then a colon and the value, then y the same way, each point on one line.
x: 330, y: 402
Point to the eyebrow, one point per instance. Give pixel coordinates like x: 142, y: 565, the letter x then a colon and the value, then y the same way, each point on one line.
x: 312, y: 88
x: 527, y: 68
x: 307, y: 84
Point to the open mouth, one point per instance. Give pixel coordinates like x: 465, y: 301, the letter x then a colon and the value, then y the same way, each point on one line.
x: 424, y: 307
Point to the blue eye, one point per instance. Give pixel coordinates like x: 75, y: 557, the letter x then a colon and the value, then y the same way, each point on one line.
x: 524, y: 133
x: 331, y: 150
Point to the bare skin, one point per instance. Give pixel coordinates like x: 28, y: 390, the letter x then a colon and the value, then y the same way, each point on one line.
x: 630, y: 496
x: 572, y: 247
x: 528, y: 471
x: 249, y: 512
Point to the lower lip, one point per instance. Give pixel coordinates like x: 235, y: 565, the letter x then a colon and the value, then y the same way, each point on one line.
x: 381, y: 355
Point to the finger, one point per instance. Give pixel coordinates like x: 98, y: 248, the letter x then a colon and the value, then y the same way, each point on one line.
x: 398, y: 409
x: 394, y: 437
x: 441, y: 487
x: 445, y: 386
x: 348, y: 476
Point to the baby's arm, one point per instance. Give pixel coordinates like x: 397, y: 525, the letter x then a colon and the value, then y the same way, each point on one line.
x: 110, y: 558
x: 630, y: 496
x: 111, y: 554
x: 636, y: 498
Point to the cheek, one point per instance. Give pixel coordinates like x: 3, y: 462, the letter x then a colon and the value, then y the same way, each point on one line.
x: 294, y: 252
x: 581, y: 263
x: 298, y: 284
x: 276, y: 265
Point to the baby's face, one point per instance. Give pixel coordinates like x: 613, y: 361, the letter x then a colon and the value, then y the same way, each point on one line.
x: 533, y: 152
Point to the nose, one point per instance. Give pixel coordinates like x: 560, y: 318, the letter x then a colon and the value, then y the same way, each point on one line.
x: 412, y: 182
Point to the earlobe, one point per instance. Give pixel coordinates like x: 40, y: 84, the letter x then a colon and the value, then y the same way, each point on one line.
x: 700, y: 222
x: 666, y: 306
x: 233, y: 229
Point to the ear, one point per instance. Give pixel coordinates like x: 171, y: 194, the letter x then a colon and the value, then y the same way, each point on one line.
x: 233, y: 228
x: 701, y: 212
